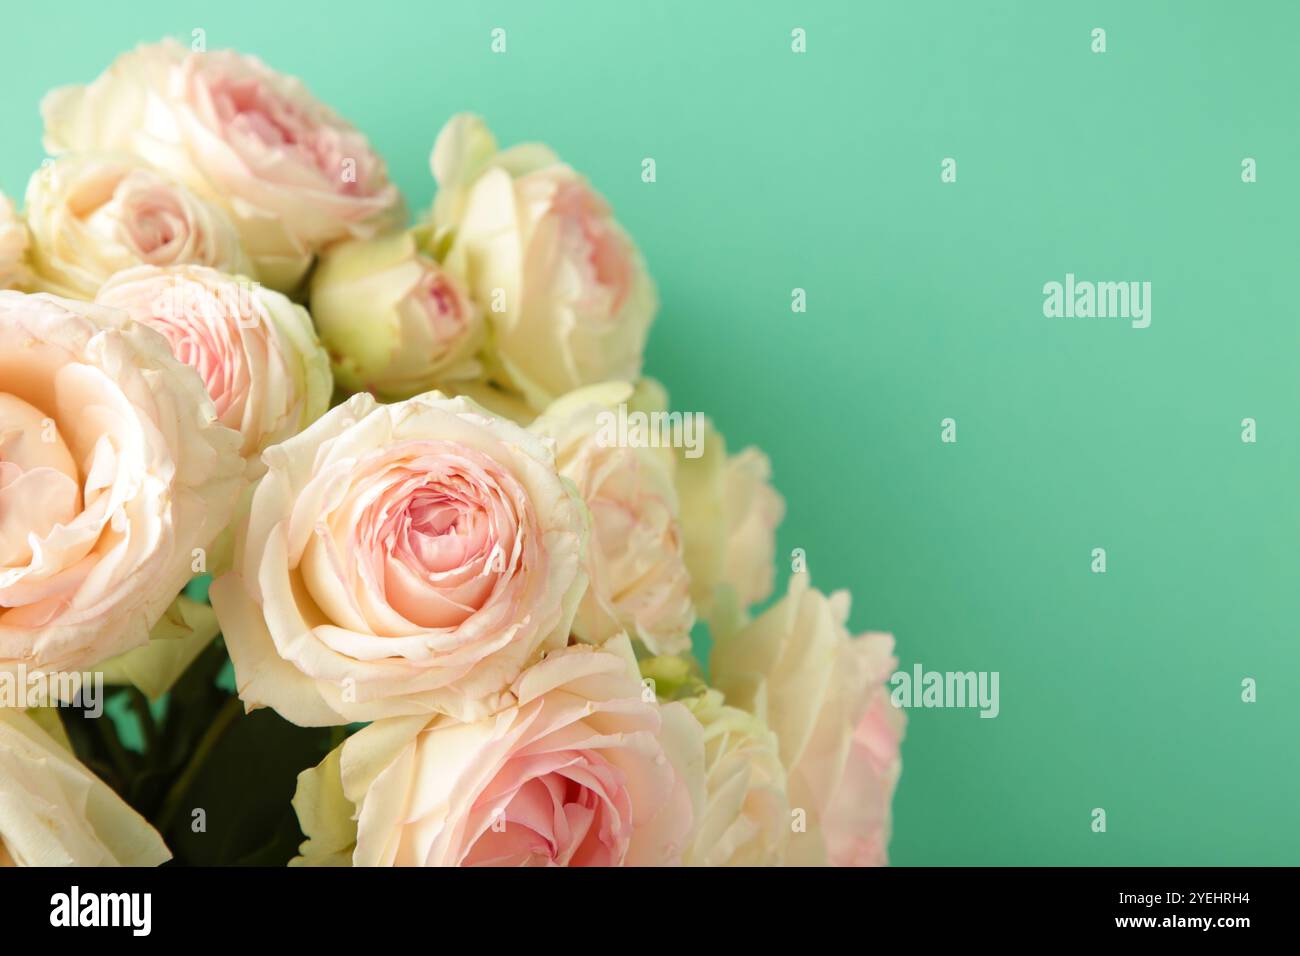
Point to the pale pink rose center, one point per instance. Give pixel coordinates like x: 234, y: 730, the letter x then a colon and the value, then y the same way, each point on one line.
x: 249, y: 107
x: 442, y: 306
x: 438, y: 530
x: 156, y: 228
x: 428, y: 535
x: 565, y: 808
x: 201, y: 327
x: 435, y: 543
x: 589, y: 236
x: 145, y: 215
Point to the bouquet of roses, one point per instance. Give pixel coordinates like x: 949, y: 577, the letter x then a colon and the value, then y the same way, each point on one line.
x: 456, y: 543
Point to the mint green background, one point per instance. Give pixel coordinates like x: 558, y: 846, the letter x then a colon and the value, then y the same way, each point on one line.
x: 821, y: 171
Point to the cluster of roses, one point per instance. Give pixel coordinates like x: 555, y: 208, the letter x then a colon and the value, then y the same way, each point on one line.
x: 506, y: 600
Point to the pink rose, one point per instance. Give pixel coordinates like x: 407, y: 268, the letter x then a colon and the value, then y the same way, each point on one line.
x: 294, y: 175
x: 583, y: 770
x: 401, y: 559
x: 92, y: 215
x: 256, y: 351
x: 114, y: 472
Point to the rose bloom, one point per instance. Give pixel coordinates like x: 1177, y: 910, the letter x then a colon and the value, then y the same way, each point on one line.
x: 395, y: 322
x: 401, y: 559
x: 824, y: 694
x: 55, y: 812
x: 567, y: 295
x: 256, y: 351
x: 730, y: 513
x: 583, y: 770
x: 113, y: 471
x: 746, y: 817
x: 93, y: 215
x: 13, y: 246
x: 638, y: 580
x: 293, y: 175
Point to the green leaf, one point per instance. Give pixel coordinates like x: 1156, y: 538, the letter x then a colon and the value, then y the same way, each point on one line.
x: 244, y: 788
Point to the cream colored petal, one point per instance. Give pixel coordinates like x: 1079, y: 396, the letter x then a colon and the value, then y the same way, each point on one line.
x: 180, y: 636
x: 326, y: 815
x: 54, y: 812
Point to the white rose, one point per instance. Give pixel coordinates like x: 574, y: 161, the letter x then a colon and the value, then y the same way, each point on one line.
x: 746, y: 816
x: 55, y: 812
x: 638, y: 580
x: 563, y: 286
x: 93, y: 215
x: 823, y: 693
x: 730, y: 513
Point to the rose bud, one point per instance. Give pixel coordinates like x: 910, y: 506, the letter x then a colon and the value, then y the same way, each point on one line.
x: 393, y: 320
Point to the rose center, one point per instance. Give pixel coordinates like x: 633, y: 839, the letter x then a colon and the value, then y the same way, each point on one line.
x: 595, y: 242
x: 442, y: 532
x: 442, y: 305
x: 573, y: 811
